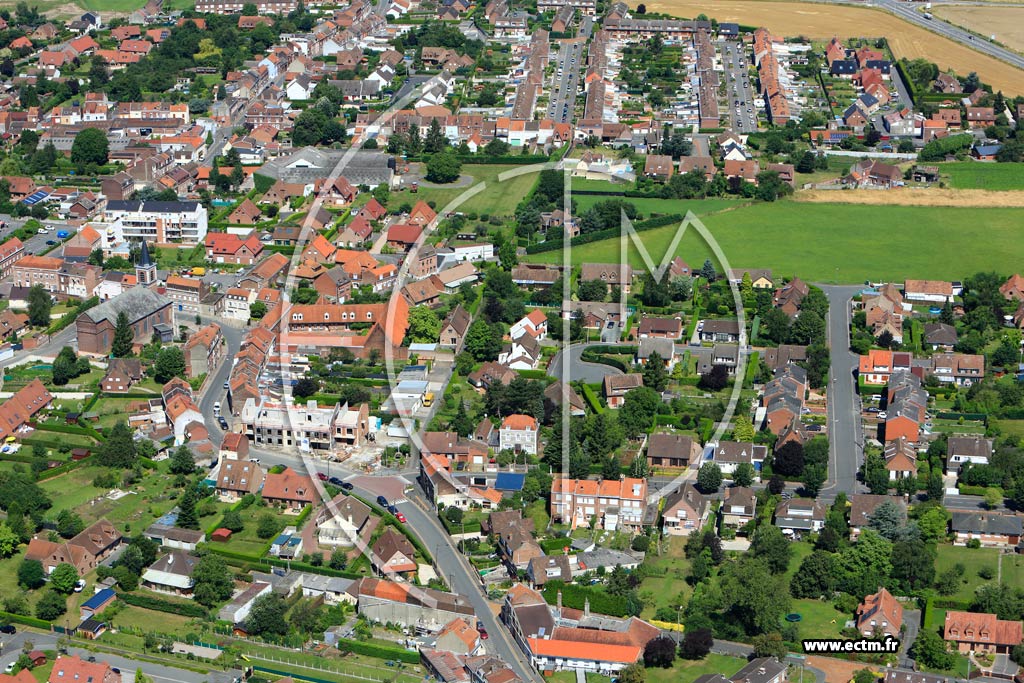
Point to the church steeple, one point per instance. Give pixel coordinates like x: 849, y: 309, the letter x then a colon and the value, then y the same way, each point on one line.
x: 145, y: 269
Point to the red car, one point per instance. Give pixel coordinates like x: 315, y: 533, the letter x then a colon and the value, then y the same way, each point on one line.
x: 400, y: 517
x: 482, y: 631
x: 321, y: 476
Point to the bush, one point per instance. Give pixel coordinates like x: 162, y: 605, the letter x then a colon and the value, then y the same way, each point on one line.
x: 156, y: 604
x: 974, y: 543
x: 640, y: 544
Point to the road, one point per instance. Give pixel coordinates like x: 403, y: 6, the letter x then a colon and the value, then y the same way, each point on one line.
x: 565, y: 80
x: 159, y: 673
x: 590, y: 373
x: 846, y: 440
x: 214, y: 390
x: 739, y: 95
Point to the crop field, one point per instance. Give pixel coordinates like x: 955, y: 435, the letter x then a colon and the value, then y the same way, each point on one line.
x: 929, y: 197
x: 968, y: 174
x: 1005, y: 23
x: 821, y: 22
x: 837, y: 242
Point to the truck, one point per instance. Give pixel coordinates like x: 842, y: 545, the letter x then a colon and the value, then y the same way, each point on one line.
x: 198, y: 271
x: 927, y: 15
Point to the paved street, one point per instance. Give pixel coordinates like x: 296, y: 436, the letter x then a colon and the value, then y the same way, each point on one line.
x: 739, y: 95
x: 565, y: 80
x: 590, y: 373
x: 846, y: 440
x: 214, y: 390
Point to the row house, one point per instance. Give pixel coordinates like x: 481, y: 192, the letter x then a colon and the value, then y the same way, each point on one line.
x: 615, y: 504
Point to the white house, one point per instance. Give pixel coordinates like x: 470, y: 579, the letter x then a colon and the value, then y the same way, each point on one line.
x: 534, y: 324
x: 518, y: 433
x: 300, y: 88
x: 238, y: 609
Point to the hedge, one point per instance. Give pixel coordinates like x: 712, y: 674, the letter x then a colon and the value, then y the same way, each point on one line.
x: 73, y: 465
x: 589, y: 357
x: 157, y: 604
x: 607, y: 233
x: 616, y: 350
x: 591, y: 398
x: 576, y: 597
x: 378, y: 651
x: 303, y: 516
x: 258, y: 561
x: 63, y: 429
x: 27, y: 621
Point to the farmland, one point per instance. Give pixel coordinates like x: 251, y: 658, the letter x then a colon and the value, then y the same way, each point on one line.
x: 929, y: 197
x: 836, y: 242
x: 967, y: 174
x: 821, y: 22
x: 1005, y: 23
x: 62, y: 9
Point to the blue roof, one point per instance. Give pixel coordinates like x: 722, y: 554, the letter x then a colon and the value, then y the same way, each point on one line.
x: 986, y: 150
x: 282, y: 539
x: 35, y: 197
x: 98, y: 600
x: 509, y: 481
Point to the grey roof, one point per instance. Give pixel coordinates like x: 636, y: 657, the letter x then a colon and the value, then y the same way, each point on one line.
x: 663, y: 347
x: 986, y: 523
x: 363, y: 167
x: 759, y: 670
x: 154, y: 206
x: 136, y: 303
x: 940, y: 333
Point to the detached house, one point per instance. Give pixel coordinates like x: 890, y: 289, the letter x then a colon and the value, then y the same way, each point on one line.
x: 685, y: 510
x: 617, y: 386
x: 981, y: 633
x: 879, y: 613
x: 518, y: 433
x: 672, y: 451
x: 289, y: 489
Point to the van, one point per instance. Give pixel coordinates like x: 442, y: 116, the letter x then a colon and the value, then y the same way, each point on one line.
x: 198, y: 271
x: 428, y: 399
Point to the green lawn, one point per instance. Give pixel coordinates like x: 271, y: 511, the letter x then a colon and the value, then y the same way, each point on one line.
x: 498, y: 198
x: 838, y: 242
x: 983, y: 176
x: 685, y: 671
x: 672, y: 568
x: 647, y: 206
x: 150, y: 620
x: 1013, y: 571
x: 973, y: 559
x: 246, y: 540
x: 820, y: 619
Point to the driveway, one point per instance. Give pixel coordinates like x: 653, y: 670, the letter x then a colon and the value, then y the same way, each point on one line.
x: 589, y: 373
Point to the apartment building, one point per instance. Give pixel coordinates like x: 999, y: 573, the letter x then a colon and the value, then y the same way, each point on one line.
x: 306, y: 426
x: 616, y: 504
x: 11, y: 252
x: 38, y: 270
x: 204, y: 351
x: 152, y: 221
x: 185, y: 293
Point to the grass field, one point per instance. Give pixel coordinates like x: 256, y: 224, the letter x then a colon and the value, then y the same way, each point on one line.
x: 498, y: 198
x: 662, y: 591
x: 685, y: 671
x: 984, y: 176
x: 838, y: 243
x: 821, y: 22
x: 647, y: 207
x: 973, y: 559
x: 1005, y: 23
x: 62, y: 9
x: 820, y: 619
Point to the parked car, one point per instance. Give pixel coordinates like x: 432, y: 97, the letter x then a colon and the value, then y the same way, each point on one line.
x: 382, y: 501
x: 346, y: 486
x: 482, y: 631
x: 79, y: 585
x: 335, y: 481
x: 321, y: 476
x: 222, y: 422
x: 8, y: 629
x: 392, y: 509
x: 400, y: 517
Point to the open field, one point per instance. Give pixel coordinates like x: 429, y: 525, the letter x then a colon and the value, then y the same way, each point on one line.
x: 838, y: 242
x: 646, y: 207
x: 970, y: 174
x: 933, y: 196
x: 686, y: 671
x: 821, y: 22
x: 61, y: 9
x: 1005, y: 23
x: 498, y: 198
x: 973, y: 560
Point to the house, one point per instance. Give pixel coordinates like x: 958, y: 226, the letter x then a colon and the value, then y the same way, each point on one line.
x: 238, y: 609
x: 665, y: 328
x: 534, y: 324
x: 519, y: 433
x: 613, y: 503
x: 871, y: 173
x: 225, y: 247
x: 879, y: 613
x: 800, y: 515
x: 84, y: 551
x: 73, y: 669
x: 940, y: 336
x: 906, y: 407
x: 617, y: 386
x: 760, y: 278
x: 981, y: 117
x: 122, y: 373
x: 729, y: 455
x: 171, y: 573
x: 761, y: 670
x: 932, y: 291
x: 719, y: 330
x: 659, y: 167
x: 454, y: 328
x: 991, y: 529
x: 864, y: 505
x: 423, y: 609
x: 342, y: 521
x: 900, y: 458
x: 789, y: 297
x: 174, y: 537
x: 1013, y: 288
x: 685, y: 510
x: 246, y: 213
x: 403, y: 236
x: 393, y: 553
x: 672, y: 451
x: 459, y: 637
x: 981, y: 633
x: 962, y: 369
x: 238, y: 477
x: 739, y: 506
x: 558, y: 394
x: 613, y: 275
x: 665, y: 348
x: 203, y: 351
x: 945, y: 83
x: 289, y: 489
x: 966, y: 449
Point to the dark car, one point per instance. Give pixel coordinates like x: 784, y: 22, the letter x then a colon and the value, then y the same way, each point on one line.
x: 347, y: 486
x: 382, y: 501
x: 50, y: 243
x: 392, y: 509
x: 321, y: 476
x: 335, y: 481
x: 222, y: 422
x: 8, y: 629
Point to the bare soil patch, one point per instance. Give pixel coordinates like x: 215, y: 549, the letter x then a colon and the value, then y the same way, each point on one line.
x: 936, y: 196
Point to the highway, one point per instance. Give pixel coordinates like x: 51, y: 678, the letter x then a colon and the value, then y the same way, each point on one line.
x: 846, y: 438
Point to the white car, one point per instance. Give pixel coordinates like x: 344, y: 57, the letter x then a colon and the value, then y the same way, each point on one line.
x: 79, y: 585
x: 10, y: 668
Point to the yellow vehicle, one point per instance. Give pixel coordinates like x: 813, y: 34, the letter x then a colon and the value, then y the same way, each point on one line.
x: 198, y: 271
x: 428, y: 399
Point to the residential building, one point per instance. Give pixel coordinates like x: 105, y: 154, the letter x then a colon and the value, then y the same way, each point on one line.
x: 991, y: 529
x: 44, y: 271
x: 153, y: 221
x: 226, y: 247
x: 799, y: 515
x: 519, y: 433
x: 122, y: 373
x: 454, y: 328
x: 16, y: 411
x: 685, y: 510
x: 342, y: 521
x: 73, y: 669
x: 864, y: 505
x: 900, y: 458
x: 392, y: 554
x: 614, y: 503
x: 185, y: 294
x: 665, y: 328
x: 729, y: 455
x: 980, y: 633
x: 171, y: 573
x: 84, y: 551
x: 617, y: 386
x: 289, y: 489
x: 424, y: 610
x: 238, y: 478
x: 614, y: 275
x: 879, y: 613
x: 204, y: 351
x: 961, y: 450
x: 723, y: 331
x: 672, y: 451
x: 11, y: 252
x: 739, y: 506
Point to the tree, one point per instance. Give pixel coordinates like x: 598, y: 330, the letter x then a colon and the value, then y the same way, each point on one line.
x: 9, y: 540
x: 124, y: 338
x: 887, y: 519
x: 90, y: 147
x: 696, y: 644
x: 119, y: 448
x: 31, y: 574
x: 63, y: 578
x: 654, y: 372
x: 182, y: 461
x: 715, y: 379
x: 39, y: 305
x: 660, y: 652
x: 707, y: 271
x: 744, y: 474
x: 257, y: 309
x: 435, y: 140
x: 913, y: 564
x: 232, y: 521
x: 770, y: 645
x: 756, y: 598
x: 771, y: 545
x: 789, y: 459
x: 267, y: 615
x: 51, y: 605
x: 69, y: 524
x: 638, y: 410
x: 864, y: 676
x: 212, y: 581
x: 592, y: 290
x: 816, y: 576
x: 424, y: 325
x: 776, y: 485
x: 709, y: 478
x: 634, y: 673
x: 267, y: 526
x: 993, y: 498
x: 929, y: 650
x: 444, y: 167
x: 188, y: 518
x: 482, y: 342
x: 865, y: 565
x: 169, y: 364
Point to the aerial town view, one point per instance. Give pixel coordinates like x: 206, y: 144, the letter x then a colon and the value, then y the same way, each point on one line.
x: 511, y: 341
